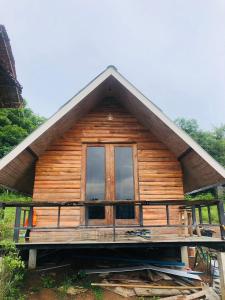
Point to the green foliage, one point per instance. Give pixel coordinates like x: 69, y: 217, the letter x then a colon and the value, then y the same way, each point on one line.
x: 98, y: 292
x: 11, y: 272
x: 15, y: 125
x: 212, y: 141
x: 203, y: 196
x: 7, y: 216
x: 7, y: 196
x: 214, y: 210
x: 48, y: 281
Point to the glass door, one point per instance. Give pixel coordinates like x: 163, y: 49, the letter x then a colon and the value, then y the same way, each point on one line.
x: 110, y: 175
x: 125, y: 182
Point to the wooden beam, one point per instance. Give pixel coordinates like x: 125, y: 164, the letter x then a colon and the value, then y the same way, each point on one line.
x: 186, y: 152
x: 32, y: 153
x: 149, y: 286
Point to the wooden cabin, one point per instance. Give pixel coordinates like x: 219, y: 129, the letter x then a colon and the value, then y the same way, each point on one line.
x: 110, y: 167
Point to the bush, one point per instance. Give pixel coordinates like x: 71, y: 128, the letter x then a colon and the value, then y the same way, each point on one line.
x: 11, y: 272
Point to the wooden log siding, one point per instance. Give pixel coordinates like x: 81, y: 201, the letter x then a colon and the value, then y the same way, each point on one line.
x: 58, y: 170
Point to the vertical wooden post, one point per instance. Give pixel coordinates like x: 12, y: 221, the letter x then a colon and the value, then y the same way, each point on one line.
x: 167, y: 215
x: 114, y: 223
x: 141, y: 215
x: 58, y: 218
x: 32, y: 259
x: 2, y: 212
x: 184, y: 255
x: 17, y: 225
x: 194, y: 221
x: 221, y: 265
x: 221, y: 215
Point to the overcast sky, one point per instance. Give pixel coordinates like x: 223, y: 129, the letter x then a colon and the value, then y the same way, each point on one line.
x: 171, y: 50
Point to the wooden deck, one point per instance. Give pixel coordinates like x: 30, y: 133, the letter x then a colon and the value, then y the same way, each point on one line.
x: 127, y: 234
x: 190, y: 229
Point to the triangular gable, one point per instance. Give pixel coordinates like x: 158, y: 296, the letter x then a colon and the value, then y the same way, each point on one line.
x: 199, y: 168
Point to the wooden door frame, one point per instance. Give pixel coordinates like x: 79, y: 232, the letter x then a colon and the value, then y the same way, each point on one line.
x: 109, y: 182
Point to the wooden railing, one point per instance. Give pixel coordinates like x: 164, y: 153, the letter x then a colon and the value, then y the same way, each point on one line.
x: 24, y: 214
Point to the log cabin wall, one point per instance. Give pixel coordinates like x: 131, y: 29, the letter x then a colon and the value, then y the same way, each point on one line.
x: 58, y: 174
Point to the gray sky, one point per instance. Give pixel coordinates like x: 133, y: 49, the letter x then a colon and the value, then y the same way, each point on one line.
x: 171, y: 50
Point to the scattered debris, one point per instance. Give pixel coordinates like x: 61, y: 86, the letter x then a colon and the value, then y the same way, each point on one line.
x: 150, y: 286
x: 144, y: 233
x: 156, y: 292
x: 52, y: 268
x: 75, y: 290
x: 145, y: 267
x: 124, y: 292
x: 216, y: 285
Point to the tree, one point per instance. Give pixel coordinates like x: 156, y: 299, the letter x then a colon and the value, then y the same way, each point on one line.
x: 212, y: 141
x: 15, y: 125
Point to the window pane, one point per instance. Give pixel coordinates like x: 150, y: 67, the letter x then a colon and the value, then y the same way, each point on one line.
x: 124, y: 174
x: 95, y: 180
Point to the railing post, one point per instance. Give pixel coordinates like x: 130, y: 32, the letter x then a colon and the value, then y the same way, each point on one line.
x: 114, y: 222
x: 194, y: 221
x: 200, y: 214
x: 85, y: 215
x: 167, y: 215
x: 209, y: 214
x: 2, y: 211
x: 141, y: 214
x: 17, y: 225
x: 30, y: 217
x: 221, y: 216
x: 58, y: 218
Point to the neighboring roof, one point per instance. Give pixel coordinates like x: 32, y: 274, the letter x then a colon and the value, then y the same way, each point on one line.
x: 10, y: 89
x: 199, y: 168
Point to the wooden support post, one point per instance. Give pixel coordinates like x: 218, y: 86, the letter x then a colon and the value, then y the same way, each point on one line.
x: 221, y: 214
x: 221, y: 265
x: 17, y: 225
x: 114, y: 223
x: 184, y: 255
x: 141, y: 214
x: 32, y: 259
x: 2, y: 212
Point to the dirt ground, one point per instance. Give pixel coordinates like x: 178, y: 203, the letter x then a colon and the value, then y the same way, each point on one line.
x: 50, y: 294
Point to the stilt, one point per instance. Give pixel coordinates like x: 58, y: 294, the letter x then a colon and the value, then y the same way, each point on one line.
x: 184, y: 255
x: 32, y: 259
x: 221, y: 265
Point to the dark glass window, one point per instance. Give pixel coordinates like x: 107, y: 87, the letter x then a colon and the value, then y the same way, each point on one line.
x: 95, y: 180
x: 124, y: 181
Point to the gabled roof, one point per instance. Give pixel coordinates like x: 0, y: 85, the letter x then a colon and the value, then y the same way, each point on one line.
x: 10, y: 92
x: 199, y: 168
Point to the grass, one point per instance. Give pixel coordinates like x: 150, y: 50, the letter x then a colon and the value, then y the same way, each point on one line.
x: 213, y: 209
x: 7, y: 196
x: 7, y: 224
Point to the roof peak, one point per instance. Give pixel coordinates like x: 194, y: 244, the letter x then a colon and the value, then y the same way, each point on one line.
x: 112, y: 67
